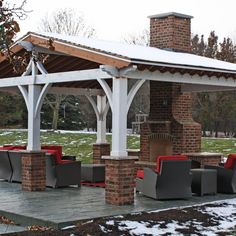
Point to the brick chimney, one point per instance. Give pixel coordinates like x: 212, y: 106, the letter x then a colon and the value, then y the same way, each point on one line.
x: 171, y: 31
x: 169, y: 107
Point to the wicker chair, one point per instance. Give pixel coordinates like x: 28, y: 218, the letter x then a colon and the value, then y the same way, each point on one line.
x: 226, y: 175
x: 57, y: 175
x: 61, y: 175
x: 173, y: 181
x: 5, y: 166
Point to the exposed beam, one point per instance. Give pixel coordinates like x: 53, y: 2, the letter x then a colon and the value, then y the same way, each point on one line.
x: 178, y: 78
x: 60, y: 77
x: 204, y: 88
x: 61, y: 90
x: 75, y: 91
x: 81, y: 52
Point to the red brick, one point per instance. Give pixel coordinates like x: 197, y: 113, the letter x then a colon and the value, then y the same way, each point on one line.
x: 99, y: 150
x: 33, y: 171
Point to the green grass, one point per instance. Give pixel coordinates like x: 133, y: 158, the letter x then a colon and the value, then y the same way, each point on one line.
x: 80, y: 145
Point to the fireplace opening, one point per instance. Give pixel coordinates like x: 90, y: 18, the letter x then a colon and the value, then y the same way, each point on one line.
x: 160, y: 145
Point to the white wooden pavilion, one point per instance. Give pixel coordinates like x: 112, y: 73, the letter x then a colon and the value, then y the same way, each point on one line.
x: 98, y: 68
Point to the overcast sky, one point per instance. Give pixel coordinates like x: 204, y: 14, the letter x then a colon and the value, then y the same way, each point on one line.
x: 114, y: 19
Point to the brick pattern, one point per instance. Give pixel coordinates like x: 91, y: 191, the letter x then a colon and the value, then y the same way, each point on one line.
x: 99, y: 150
x: 33, y: 171
x: 203, y: 160
x: 139, y: 165
x: 120, y: 175
x: 171, y: 32
x: 160, y: 102
x: 168, y: 103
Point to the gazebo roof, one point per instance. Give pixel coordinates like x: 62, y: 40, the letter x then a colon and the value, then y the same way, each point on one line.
x: 137, y: 54
x: 78, y: 53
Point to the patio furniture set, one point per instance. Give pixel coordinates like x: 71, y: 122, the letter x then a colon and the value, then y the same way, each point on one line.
x: 173, y: 178
x: 60, y: 170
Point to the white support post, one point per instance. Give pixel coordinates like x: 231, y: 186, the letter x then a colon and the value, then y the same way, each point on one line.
x: 101, y: 122
x: 119, y: 117
x: 33, y: 96
x: 33, y: 120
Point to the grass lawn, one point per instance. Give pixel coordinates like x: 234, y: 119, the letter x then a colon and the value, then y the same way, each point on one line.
x: 80, y: 144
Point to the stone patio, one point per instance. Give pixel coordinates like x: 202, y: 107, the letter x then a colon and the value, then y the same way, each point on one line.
x: 65, y: 206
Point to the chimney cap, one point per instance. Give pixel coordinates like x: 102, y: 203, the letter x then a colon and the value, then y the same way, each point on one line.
x: 165, y: 15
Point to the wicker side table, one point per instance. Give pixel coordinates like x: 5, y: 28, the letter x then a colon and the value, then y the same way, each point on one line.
x: 204, y: 181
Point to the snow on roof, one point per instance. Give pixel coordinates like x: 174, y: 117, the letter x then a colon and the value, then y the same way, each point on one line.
x: 141, y: 54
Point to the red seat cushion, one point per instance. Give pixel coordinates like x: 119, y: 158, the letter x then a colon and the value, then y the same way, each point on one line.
x: 229, y: 164
x: 140, y: 174
x: 161, y: 158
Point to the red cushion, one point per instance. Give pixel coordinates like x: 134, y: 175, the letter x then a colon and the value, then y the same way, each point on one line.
x: 140, y: 174
x: 5, y: 148
x: 66, y: 161
x: 161, y: 158
x: 229, y: 164
x: 55, y: 153
x: 53, y: 147
x: 13, y: 147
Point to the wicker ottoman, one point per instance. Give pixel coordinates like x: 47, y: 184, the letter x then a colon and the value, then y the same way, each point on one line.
x: 93, y: 172
x: 204, y: 181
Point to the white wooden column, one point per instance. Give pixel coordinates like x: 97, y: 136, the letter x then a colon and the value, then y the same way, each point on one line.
x: 33, y: 119
x: 33, y: 95
x: 101, y: 122
x: 119, y: 117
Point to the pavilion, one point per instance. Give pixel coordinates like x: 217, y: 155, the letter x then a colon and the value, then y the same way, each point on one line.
x: 91, y: 67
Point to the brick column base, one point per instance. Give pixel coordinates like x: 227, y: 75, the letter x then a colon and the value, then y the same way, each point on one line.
x: 33, y: 171
x: 120, y: 183
x: 99, y: 150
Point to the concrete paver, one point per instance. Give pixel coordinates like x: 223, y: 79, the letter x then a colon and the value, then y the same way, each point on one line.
x: 10, y: 229
x: 64, y: 206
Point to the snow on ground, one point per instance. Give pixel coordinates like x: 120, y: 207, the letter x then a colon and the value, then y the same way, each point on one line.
x: 221, y: 213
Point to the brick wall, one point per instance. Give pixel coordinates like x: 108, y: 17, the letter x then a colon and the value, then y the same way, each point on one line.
x: 33, y: 171
x: 167, y: 102
x: 120, y: 183
x: 170, y: 32
x: 99, y: 150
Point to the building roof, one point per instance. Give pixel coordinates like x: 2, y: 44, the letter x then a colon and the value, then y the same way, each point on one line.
x: 78, y: 53
x: 141, y: 54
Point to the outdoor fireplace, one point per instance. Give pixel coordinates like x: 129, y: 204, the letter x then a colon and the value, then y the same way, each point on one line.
x: 170, y: 128
x: 155, y: 139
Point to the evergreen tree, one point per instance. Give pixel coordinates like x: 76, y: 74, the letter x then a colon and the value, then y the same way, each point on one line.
x: 215, y: 111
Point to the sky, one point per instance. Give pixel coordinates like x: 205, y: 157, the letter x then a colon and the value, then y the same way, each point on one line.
x: 113, y: 20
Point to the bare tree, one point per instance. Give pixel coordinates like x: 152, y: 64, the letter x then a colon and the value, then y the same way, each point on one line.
x: 142, y: 38
x: 141, y: 102
x: 64, y: 21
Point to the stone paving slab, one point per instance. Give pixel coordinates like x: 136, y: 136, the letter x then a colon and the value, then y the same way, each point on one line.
x: 65, y: 206
x: 11, y: 229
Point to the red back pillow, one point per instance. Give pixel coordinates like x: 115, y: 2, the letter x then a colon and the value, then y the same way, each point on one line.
x: 54, y: 147
x: 55, y: 153
x: 13, y: 147
x: 229, y: 164
x: 140, y: 174
x: 161, y: 158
